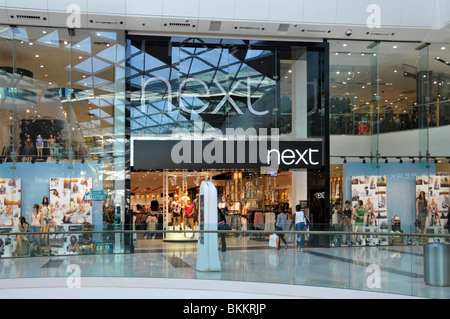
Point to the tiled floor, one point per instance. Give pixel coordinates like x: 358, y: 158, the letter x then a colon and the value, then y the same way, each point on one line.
x: 351, y: 270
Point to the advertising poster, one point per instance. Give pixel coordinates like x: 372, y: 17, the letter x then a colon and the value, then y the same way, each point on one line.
x: 372, y: 191
x: 10, y: 211
x: 67, y: 200
x: 436, y: 190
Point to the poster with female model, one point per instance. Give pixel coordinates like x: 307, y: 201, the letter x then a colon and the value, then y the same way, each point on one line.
x: 67, y: 200
x: 435, y: 189
x: 371, y: 190
x: 10, y: 212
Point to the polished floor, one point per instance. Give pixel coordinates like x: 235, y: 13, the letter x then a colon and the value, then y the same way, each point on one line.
x: 335, y: 272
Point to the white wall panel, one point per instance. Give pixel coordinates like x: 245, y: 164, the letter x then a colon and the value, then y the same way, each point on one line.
x: 352, y: 12
x: 391, y: 13
x: 110, y: 7
x: 27, y: 4
x: 216, y: 10
x: 286, y: 11
x: 144, y: 8
x: 319, y: 12
x: 63, y: 5
x: 417, y: 13
x: 414, y: 20
x: 252, y: 10
x: 180, y: 8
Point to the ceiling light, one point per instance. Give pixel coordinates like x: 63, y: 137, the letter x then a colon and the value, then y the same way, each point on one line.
x: 344, y: 45
x: 394, y: 47
x: 442, y: 48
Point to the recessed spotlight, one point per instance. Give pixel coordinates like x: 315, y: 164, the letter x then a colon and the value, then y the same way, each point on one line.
x: 36, y: 55
x: 395, y: 47
x: 443, y: 48
x: 344, y: 45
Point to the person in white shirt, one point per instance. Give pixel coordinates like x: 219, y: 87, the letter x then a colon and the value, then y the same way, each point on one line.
x: 299, y: 221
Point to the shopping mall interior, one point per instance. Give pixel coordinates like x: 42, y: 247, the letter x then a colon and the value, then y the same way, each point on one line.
x: 93, y: 117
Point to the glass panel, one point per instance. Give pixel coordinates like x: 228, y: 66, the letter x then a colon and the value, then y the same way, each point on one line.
x: 58, y: 92
x: 222, y: 85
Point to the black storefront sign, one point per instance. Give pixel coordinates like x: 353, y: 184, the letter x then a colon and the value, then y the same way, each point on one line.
x: 219, y: 154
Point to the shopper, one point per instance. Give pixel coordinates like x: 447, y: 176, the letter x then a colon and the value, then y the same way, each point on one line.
x: 222, y: 225
x: 22, y: 240
x: 35, y: 227
x: 299, y: 221
x: 346, y: 222
x: 281, y: 225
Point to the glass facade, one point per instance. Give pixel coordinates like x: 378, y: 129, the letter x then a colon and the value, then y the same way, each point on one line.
x: 74, y: 102
x: 62, y: 125
x: 389, y: 117
x: 206, y: 87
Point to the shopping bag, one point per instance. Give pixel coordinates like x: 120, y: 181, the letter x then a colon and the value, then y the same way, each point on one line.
x: 273, y: 240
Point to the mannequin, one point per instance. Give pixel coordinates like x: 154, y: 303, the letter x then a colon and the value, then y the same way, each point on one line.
x: 39, y: 145
x: 51, y: 145
x: 46, y: 218
x: 176, y: 210
x: 359, y: 216
x: 188, y: 215
x: 183, y: 202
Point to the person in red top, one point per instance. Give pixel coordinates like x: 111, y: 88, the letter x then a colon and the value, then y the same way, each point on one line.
x: 189, y: 214
x: 363, y: 129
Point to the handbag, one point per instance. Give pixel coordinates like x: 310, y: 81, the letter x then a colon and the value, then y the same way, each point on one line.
x: 224, y: 226
x: 273, y: 240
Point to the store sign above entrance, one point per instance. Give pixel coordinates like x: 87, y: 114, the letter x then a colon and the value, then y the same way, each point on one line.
x: 262, y: 154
